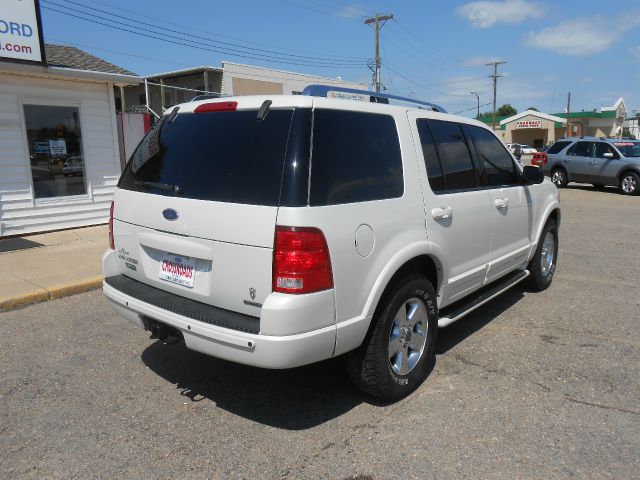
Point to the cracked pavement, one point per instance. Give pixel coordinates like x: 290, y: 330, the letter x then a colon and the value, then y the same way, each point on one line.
x: 532, y: 385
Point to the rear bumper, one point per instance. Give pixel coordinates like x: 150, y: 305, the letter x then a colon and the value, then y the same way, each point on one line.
x: 266, y: 351
x: 250, y: 349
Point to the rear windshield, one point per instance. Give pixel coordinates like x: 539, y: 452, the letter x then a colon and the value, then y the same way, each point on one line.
x: 628, y: 149
x: 219, y: 156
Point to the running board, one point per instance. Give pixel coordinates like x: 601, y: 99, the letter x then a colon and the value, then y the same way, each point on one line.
x: 459, y: 309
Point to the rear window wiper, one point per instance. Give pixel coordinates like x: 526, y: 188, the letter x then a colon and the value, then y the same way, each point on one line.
x: 162, y: 186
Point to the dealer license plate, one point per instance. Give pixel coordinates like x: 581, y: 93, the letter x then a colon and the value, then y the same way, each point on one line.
x: 178, y: 269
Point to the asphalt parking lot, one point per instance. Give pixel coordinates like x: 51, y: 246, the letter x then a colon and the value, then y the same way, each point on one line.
x: 532, y: 385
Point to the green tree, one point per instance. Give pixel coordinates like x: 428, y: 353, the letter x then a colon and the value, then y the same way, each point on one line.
x: 506, y: 110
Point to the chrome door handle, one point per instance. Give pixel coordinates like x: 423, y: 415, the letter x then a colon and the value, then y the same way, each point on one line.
x: 593, y: 163
x: 441, y: 213
x: 501, y: 202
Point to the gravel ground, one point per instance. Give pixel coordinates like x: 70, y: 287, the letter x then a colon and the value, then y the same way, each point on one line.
x: 532, y: 385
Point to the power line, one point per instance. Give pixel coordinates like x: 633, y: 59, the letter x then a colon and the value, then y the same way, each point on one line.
x: 207, y: 46
x: 472, y: 108
x: 421, y: 85
x: 210, y: 34
x: 322, y: 11
x: 231, y: 46
x: 115, y: 52
x: 444, y: 58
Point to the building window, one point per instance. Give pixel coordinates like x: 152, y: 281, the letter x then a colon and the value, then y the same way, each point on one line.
x: 55, y: 150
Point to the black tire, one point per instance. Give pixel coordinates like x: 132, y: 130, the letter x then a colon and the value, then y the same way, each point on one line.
x: 559, y: 177
x: 370, y: 367
x: 541, y: 273
x: 630, y: 183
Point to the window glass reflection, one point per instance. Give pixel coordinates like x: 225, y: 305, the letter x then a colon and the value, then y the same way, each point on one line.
x: 55, y: 150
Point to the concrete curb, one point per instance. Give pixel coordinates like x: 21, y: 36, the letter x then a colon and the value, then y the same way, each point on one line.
x: 50, y: 293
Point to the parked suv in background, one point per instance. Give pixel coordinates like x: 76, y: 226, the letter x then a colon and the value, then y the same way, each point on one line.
x: 278, y: 231
x: 600, y: 161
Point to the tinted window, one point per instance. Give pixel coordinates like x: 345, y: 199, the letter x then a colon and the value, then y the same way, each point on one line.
x: 557, y: 147
x: 603, y: 147
x: 355, y: 158
x: 454, y: 155
x: 432, y: 163
x: 628, y: 149
x: 494, y: 158
x: 220, y: 156
x: 581, y: 149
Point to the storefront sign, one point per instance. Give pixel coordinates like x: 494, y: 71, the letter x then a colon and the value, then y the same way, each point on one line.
x: 58, y: 148
x: 529, y: 124
x: 41, y: 147
x: 21, y: 31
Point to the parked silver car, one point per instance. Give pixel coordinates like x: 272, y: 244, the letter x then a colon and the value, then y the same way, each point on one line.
x: 600, y: 161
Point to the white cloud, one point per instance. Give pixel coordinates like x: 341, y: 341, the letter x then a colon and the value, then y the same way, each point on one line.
x: 351, y: 12
x: 486, y: 13
x: 635, y: 51
x: 582, y: 36
x: 479, y: 61
x: 510, y: 90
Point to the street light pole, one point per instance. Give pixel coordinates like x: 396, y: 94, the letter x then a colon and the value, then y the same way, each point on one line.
x: 477, y: 98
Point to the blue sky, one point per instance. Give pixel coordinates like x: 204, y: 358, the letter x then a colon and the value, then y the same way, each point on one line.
x: 434, y: 50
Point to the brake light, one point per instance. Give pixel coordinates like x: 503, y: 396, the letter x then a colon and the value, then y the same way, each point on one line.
x: 301, y: 261
x: 539, y: 159
x: 216, y: 107
x: 112, y: 243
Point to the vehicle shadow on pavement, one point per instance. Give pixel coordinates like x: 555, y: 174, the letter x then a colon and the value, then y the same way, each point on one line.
x: 459, y: 331
x: 589, y: 188
x: 294, y: 399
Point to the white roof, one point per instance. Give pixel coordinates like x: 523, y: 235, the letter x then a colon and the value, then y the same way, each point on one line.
x: 615, y: 105
x: 533, y: 113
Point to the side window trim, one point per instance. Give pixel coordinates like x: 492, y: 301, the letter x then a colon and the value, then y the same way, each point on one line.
x: 482, y: 171
x: 478, y: 167
x: 465, y: 140
x: 435, y: 150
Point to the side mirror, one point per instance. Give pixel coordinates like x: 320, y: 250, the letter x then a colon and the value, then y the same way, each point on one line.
x: 532, y: 174
x: 608, y: 155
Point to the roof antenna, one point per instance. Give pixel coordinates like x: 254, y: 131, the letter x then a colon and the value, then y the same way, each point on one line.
x: 264, y: 110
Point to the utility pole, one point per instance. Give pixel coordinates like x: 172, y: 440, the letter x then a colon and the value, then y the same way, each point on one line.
x: 495, y: 77
x: 477, y: 98
x: 568, y: 115
x: 378, y: 21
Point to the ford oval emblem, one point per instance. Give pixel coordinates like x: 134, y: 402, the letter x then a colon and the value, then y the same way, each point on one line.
x: 170, y: 214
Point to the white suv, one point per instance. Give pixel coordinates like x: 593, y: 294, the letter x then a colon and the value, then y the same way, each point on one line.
x: 278, y: 231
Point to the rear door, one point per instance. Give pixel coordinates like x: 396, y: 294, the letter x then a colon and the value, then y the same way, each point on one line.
x: 510, y: 204
x: 579, y: 159
x: 196, y: 206
x: 458, y: 213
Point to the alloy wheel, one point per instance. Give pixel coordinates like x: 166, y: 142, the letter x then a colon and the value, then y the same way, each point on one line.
x: 408, y: 336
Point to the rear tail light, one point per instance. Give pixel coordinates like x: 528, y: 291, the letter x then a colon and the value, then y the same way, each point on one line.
x: 539, y: 159
x: 216, y: 107
x: 301, y: 261
x: 112, y: 243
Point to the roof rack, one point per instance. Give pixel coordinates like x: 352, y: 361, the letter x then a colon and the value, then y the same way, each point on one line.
x: 330, y: 91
